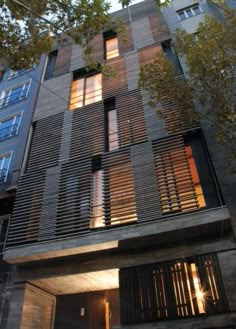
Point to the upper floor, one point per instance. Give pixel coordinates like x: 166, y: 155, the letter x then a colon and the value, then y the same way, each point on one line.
x: 103, y: 166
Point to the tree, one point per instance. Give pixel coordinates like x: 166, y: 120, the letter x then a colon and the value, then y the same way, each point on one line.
x: 28, y: 28
x: 211, y: 62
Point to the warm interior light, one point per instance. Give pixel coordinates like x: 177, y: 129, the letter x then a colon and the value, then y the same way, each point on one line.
x: 199, y: 294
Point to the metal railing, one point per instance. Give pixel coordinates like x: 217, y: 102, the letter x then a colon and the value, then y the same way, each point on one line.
x: 8, y: 131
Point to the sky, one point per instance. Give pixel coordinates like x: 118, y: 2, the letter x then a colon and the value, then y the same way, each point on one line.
x: 117, y: 6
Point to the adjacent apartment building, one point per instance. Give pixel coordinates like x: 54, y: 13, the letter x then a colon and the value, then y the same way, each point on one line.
x: 120, y: 221
x: 18, y: 92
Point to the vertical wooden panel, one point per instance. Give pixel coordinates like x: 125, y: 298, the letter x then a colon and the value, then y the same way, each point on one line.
x: 38, y: 310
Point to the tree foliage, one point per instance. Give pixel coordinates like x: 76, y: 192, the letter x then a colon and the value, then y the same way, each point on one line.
x: 29, y: 27
x: 211, y: 62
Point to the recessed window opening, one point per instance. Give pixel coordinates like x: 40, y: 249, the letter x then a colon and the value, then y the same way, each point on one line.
x: 111, y: 47
x: 86, y: 90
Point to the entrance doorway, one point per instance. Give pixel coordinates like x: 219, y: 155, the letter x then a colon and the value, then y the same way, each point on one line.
x: 90, y: 310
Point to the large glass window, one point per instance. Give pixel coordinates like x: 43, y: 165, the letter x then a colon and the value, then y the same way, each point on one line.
x: 111, y: 125
x: 182, y: 288
x: 86, y: 91
x: 14, y: 95
x: 14, y: 74
x: 4, y: 166
x: 10, y: 127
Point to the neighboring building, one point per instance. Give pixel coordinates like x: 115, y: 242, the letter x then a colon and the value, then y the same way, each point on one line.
x: 18, y: 92
x: 119, y: 220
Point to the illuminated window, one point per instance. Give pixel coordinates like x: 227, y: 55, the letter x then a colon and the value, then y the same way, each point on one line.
x: 183, y: 288
x: 15, y: 94
x: 178, y: 179
x: 4, y: 167
x: 112, y: 194
x: 86, y: 91
x: 111, y: 126
x: 111, y: 45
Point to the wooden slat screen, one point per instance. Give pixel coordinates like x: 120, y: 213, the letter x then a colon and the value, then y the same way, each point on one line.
x: 175, y: 181
x: 131, y: 124
x: 176, y: 289
x: 119, y: 195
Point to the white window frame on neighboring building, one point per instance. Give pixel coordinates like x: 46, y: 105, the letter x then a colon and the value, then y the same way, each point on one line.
x: 187, y: 10
x: 5, y: 98
x: 14, y: 74
x: 3, y: 158
x: 10, y: 130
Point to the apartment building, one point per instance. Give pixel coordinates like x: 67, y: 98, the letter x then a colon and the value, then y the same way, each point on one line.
x: 18, y: 92
x: 120, y: 221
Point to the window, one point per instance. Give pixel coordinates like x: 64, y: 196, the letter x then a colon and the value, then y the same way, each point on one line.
x: 170, y: 54
x: 4, y: 167
x: 10, y: 127
x: 170, y: 290
x: 110, y: 45
x: 86, y: 90
x: 178, y: 179
x: 189, y: 12
x: 14, y: 95
x: 14, y: 74
x: 111, y: 127
x: 97, y: 213
x: 112, y: 196
x: 52, y: 57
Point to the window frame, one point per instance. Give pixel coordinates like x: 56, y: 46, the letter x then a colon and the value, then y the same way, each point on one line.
x: 8, y: 118
x: 15, y: 74
x: 109, y: 35
x: 184, y: 11
x: 4, y: 156
x: 6, y: 94
x: 84, y: 78
x: 52, y: 55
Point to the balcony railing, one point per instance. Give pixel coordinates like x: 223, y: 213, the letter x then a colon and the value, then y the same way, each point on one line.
x: 3, y: 175
x: 14, y: 97
x: 8, y: 131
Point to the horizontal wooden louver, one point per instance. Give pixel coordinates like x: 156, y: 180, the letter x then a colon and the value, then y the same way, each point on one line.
x: 25, y: 221
x: 174, y: 179
x: 131, y: 123
x: 118, y: 189
x: 46, y: 143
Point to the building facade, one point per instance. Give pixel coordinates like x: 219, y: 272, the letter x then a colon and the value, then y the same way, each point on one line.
x: 18, y: 92
x: 120, y: 220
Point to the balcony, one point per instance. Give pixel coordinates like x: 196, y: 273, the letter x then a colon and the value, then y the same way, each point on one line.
x: 9, y: 131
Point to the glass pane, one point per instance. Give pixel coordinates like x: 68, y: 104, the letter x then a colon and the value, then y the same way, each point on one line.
x: 181, y: 15
x: 112, y: 130
x: 97, y: 218
x: 189, y: 12
x: 196, y: 10
x: 112, y: 48
x: 93, y: 89
x: 6, y: 162
x: 195, y: 178
x: 77, y: 91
